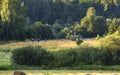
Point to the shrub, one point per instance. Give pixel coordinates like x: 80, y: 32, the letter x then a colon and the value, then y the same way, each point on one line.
x: 32, y: 56
x: 107, y: 57
x: 66, y: 58
x: 97, y: 37
x: 116, y: 57
x: 88, y: 55
x: 83, y: 55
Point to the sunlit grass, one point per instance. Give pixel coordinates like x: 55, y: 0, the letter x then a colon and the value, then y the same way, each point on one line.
x: 35, y: 72
x: 58, y: 44
x: 50, y: 44
x: 5, y: 58
x: 92, y: 42
x: 6, y: 73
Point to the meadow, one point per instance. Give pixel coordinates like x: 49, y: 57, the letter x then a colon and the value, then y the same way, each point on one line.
x: 51, y: 45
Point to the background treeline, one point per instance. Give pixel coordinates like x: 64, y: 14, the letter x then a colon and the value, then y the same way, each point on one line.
x: 63, y: 18
x: 69, y: 11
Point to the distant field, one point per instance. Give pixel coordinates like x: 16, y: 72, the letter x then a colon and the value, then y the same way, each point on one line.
x: 35, y: 72
x: 91, y: 42
x: 50, y: 44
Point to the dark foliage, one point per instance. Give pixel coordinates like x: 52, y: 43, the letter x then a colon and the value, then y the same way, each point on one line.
x: 32, y: 56
x: 66, y: 58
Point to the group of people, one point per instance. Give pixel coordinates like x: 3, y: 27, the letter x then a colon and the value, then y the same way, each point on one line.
x: 38, y: 40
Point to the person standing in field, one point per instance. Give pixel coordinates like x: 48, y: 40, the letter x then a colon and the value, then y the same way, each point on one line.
x: 32, y: 40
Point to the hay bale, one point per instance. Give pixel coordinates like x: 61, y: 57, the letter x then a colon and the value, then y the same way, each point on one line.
x: 19, y: 73
x: 88, y: 74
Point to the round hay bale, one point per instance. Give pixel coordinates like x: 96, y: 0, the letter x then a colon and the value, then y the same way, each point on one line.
x: 19, y: 73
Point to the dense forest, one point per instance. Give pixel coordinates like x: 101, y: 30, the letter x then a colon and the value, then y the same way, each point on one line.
x: 57, y: 19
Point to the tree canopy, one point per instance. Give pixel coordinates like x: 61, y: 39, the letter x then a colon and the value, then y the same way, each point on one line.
x: 86, y: 17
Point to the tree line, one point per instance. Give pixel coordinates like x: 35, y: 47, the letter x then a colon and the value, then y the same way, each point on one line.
x: 56, y: 18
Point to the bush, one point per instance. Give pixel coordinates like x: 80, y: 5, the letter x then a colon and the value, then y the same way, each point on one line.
x: 116, y: 57
x: 66, y: 58
x: 107, y: 57
x: 97, y: 37
x: 87, y: 55
x: 32, y: 56
x: 83, y: 55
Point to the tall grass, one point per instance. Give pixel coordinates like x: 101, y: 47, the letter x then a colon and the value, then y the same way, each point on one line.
x: 49, y: 44
x: 5, y: 58
x: 53, y: 45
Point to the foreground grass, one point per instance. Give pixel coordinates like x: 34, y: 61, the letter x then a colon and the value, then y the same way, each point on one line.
x: 62, y: 72
x: 5, y: 58
x: 82, y: 67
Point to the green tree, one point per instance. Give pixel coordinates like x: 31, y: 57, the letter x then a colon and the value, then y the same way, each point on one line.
x: 5, y: 13
x: 91, y: 12
x: 114, y: 26
x: 63, y: 33
x: 116, y: 1
x: 13, y: 19
x: 44, y: 31
x: 1, y: 30
x: 91, y: 24
x: 100, y: 26
x: 31, y: 32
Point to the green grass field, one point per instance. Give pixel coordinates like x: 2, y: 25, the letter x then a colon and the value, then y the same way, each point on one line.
x: 5, y: 58
x: 51, y: 45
